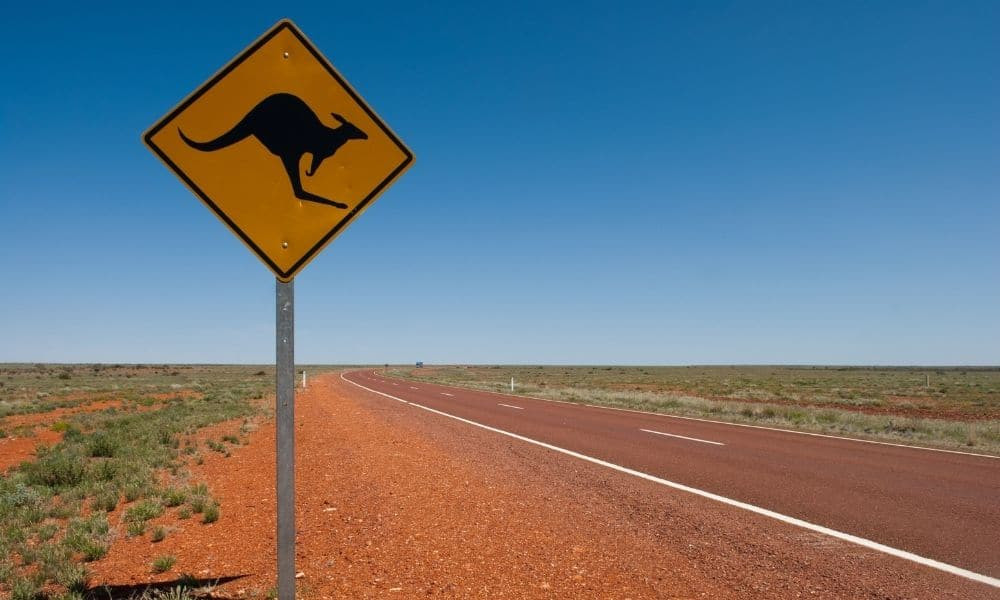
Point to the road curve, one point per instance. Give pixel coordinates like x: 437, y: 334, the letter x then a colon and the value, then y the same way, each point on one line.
x: 938, y: 505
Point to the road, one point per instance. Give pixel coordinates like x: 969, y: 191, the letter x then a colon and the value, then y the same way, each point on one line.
x: 942, y: 507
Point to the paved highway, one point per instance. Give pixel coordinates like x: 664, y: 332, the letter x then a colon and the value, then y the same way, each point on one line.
x: 940, y: 509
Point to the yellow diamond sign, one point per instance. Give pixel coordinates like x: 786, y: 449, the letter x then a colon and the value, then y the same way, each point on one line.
x: 281, y: 148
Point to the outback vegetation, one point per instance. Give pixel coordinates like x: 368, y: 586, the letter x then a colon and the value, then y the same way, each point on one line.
x: 112, y: 447
x: 955, y: 407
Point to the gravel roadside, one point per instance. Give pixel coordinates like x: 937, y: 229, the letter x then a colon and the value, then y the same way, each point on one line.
x: 397, y: 502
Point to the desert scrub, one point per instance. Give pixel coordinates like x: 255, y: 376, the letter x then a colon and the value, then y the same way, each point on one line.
x: 159, y: 534
x: 173, y: 497
x: 162, y: 564
x: 90, y: 536
x: 144, y: 511
x: 211, y: 513
x: 104, y: 457
x: 199, y: 503
x: 105, y: 499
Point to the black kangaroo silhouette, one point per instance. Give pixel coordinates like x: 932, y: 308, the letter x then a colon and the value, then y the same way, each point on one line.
x: 288, y: 128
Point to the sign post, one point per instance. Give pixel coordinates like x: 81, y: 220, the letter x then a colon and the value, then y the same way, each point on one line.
x: 285, y: 434
x: 286, y: 154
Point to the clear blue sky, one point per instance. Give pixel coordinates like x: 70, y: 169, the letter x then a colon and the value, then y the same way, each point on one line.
x: 655, y: 183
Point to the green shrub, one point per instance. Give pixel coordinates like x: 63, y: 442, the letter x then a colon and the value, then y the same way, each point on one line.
x: 6, y: 570
x: 184, y: 513
x: 64, y: 509
x: 88, y: 536
x: 47, y: 531
x: 174, y: 497
x: 106, y: 499
x: 22, y: 588
x: 198, y: 503
x: 105, y: 470
x: 211, y: 513
x: 29, y: 555
x: 103, y: 445
x: 135, y: 528
x: 159, y: 533
x: 58, y: 468
x: 135, y: 489
x: 163, y: 563
x: 73, y: 577
x: 52, y: 559
x: 144, y: 511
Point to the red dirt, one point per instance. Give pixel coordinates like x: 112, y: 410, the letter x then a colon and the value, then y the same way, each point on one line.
x: 51, y: 416
x: 14, y: 450
x: 397, y: 502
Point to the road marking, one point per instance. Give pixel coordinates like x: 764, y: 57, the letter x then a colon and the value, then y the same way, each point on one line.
x: 847, y: 537
x: 764, y: 427
x: 395, y: 383
x: 447, y: 394
x: 682, y: 437
x: 414, y: 388
x: 512, y: 406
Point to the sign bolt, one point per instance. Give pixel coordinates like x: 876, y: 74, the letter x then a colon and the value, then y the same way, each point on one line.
x: 284, y: 244
x: 285, y: 55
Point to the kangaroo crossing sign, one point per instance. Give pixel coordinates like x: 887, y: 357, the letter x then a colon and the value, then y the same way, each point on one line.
x: 281, y: 148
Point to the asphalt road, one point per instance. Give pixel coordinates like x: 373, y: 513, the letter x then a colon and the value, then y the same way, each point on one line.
x: 938, y: 505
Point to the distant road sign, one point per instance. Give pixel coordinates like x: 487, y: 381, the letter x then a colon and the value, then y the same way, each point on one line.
x: 281, y: 148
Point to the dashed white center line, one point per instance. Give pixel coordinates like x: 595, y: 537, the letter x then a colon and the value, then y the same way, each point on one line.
x: 511, y: 406
x: 447, y: 394
x: 683, y: 437
x: 853, y: 539
x: 414, y: 388
x: 395, y: 384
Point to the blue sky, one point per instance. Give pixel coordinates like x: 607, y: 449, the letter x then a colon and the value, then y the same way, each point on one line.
x: 647, y: 183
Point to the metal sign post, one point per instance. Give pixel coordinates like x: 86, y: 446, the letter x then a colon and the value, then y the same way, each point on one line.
x: 276, y: 102
x: 285, y: 434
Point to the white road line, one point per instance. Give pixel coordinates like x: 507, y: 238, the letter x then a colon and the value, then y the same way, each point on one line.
x: 447, y: 394
x: 847, y: 537
x: 683, y: 437
x: 764, y: 427
x: 511, y: 406
x: 414, y: 388
x: 395, y: 383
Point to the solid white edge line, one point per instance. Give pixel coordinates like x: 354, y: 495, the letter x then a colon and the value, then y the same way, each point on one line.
x: 764, y: 427
x: 511, y: 406
x: 683, y: 437
x: 847, y: 537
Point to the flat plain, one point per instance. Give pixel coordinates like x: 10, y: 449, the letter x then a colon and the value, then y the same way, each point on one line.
x: 130, y: 481
x: 947, y: 407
